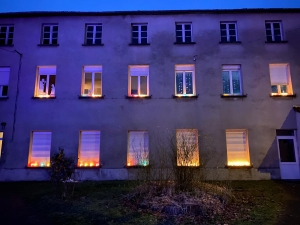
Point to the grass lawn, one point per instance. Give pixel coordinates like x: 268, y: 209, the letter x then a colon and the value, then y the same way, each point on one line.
x: 255, y: 202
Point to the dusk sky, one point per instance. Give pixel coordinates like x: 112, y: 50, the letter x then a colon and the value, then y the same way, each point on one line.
x: 133, y: 5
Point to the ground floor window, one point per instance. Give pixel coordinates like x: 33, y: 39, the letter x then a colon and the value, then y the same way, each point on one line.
x: 39, y: 154
x: 89, y: 149
x: 138, y: 148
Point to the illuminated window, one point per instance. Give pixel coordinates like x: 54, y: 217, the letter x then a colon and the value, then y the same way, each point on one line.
x: 92, y: 81
x: 232, y: 84
x: 228, y: 32
x: 184, y: 32
x: 138, y: 81
x: 89, y: 149
x: 49, y: 34
x: 93, y: 34
x: 139, y: 33
x: 4, y: 80
x: 138, y: 150
x: 187, y: 147
x: 1, y: 140
x: 39, y: 154
x: 185, y: 80
x: 6, y: 34
x: 281, y: 83
x: 274, y: 31
x: 237, y: 148
x: 45, y: 86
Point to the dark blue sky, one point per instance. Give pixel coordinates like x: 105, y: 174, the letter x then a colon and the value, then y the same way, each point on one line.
x: 132, y: 5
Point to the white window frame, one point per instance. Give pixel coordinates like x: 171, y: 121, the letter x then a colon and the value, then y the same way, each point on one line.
x: 185, y: 68
x: 230, y: 69
x: 242, y: 161
x: 227, y: 30
x: 191, y: 149
x: 94, y: 33
x: 46, y: 162
x: 183, y: 31
x: 96, y: 159
x: 139, y: 25
x: 288, y: 82
x: 131, y: 73
x: 4, y: 71
x: 45, y: 70
x: 272, y: 30
x: 50, y: 33
x: 1, y: 142
x: 7, y: 34
x: 288, y: 137
x: 138, y: 157
x: 93, y: 70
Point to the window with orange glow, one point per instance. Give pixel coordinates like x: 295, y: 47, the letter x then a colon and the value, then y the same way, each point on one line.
x: 237, y: 148
x: 92, y: 81
x: 281, y: 83
x: 39, y: 155
x: 89, y: 149
x: 45, y: 84
x: 187, y: 147
x: 138, y: 150
x: 138, y: 81
x: 1, y: 139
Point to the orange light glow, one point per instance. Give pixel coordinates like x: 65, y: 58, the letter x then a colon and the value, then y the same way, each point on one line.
x: 128, y: 164
x: 238, y: 163
x: 281, y: 94
x: 88, y: 164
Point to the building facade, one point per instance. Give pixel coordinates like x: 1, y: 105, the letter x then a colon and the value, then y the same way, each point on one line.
x: 106, y: 86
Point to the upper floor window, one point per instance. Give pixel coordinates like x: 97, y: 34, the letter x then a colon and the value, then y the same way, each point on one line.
x: 93, y: 34
x: 281, y: 83
x: 6, y: 34
x: 138, y: 81
x: 232, y: 83
x: 274, y: 31
x: 185, y: 80
x: 139, y: 33
x: 92, y: 81
x: 184, y: 32
x: 4, y: 79
x: 228, y: 32
x: 45, y: 86
x: 89, y: 149
x: 49, y: 34
x: 138, y: 148
x: 40, y: 146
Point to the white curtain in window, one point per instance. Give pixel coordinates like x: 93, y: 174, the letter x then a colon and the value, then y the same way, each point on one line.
x: 49, y: 70
x: 139, y: 70
x: 4, y: 76
x: 40, y: 149
x: 184, y: 67
x: 138, y: 152
x: 279, y: 74
x: 90, y: 69
x: 89, y: 154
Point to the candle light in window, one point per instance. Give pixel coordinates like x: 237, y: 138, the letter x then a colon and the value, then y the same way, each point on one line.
x: 97, y: 164
x: 48, y: 164
x: 42, y: 164
x: 86, y: 164
x: 128, y: 164
x: 91, y: 164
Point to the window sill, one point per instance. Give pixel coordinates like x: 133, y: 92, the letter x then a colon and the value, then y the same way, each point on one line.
x: 184, y: 43
x: 4, y: 98
x: 34, y: 97
x: 276, y: 42
x: 230, y: 42
x: 136, y: 167
x: 48, y: 45
x: 91, y: 97
x: 233, y: 96
x: 6, y: 45
x: 138, y: 97
x: 139, y: 44
x: 37, y: 167
x: 283, y: 96
x: 88, y: 167
x: 239, y: 167
x: 185, y: 96
x: 92, y: 44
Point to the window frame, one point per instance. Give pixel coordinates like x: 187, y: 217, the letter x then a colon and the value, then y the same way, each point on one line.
x: 91, y: 69
x: 49, y: 69
x: 51, y: 32
x: 139, y: 83
x: 288, y: 78
x: 139, y: 32
x: 95, y: 25
x: 4, y: 70
x: 272, y: 30
x: 183, y: 31
x: 130, y: 157
x: 230, y: 69
x: 178, y: 69
x: 31, y: 164
x: 90, y: 164
x: 7, y: 33
x: 227, y: 31
x: 246, y: 147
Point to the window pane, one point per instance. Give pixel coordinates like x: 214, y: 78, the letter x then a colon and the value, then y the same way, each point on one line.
x: 97, y: 85
x: 54, y: 41
x: 187, y: 26
x: 98, y: 35
x: 46, y: 29
x: 178, y: 33
x: 187, y: 147
x: 276, y: 25
x: 55, y: 28
x: 283, y: 88
x: 189, y: 82
x: 87, y: 89
x: 51, y: 88
x: 4, y: 90
x: 287, y: 150
x: 46, y: 41
x: 135, y: 41
x: 232, y: 26
x: 98, y: 41
x: 42, y: 84
x: 223, y: 26
x: 138, y: 152
x: 178, y: 27
x: 143, y: 40
x: 40, y: 149
x: 179, y: 83
x: 46, y: 35
x: 226, y: 82
x: 89, y: 148
x: 144, y: 34
x: 268, y: 26
x: 90, y: 28
x: 144, y: 28
x: 143, y: 85
x: 274, y: 89
x: 188, y: 39
x: 135, y: 28
x: 188, y: 33
x: 236, y: 82
x: 223, y: 33
x: 134, y: 85
x: 98, y: 28
x: 231, y: 32
x: 224, y: 39
x: 232, y: 38
x: 89, y: 41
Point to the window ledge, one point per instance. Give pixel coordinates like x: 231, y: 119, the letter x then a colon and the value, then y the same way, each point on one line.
x: 233, y: 96
x: 184, y: 43
x: 34, y: 97
x: 4, y: 98
x: 52, y: 45
x: 239, y: 167
x: 92, y: 44
x: 276, y: 42
x: 88, y: 167
x: 91, y: 97
x: 37, y: 167
x: 6, y: 45
x: 136, y: 167
x: 138, y: 44
x: 230, y: 42
x: 185, y: 96
x: 138, y: 97
x: 283, y: 96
